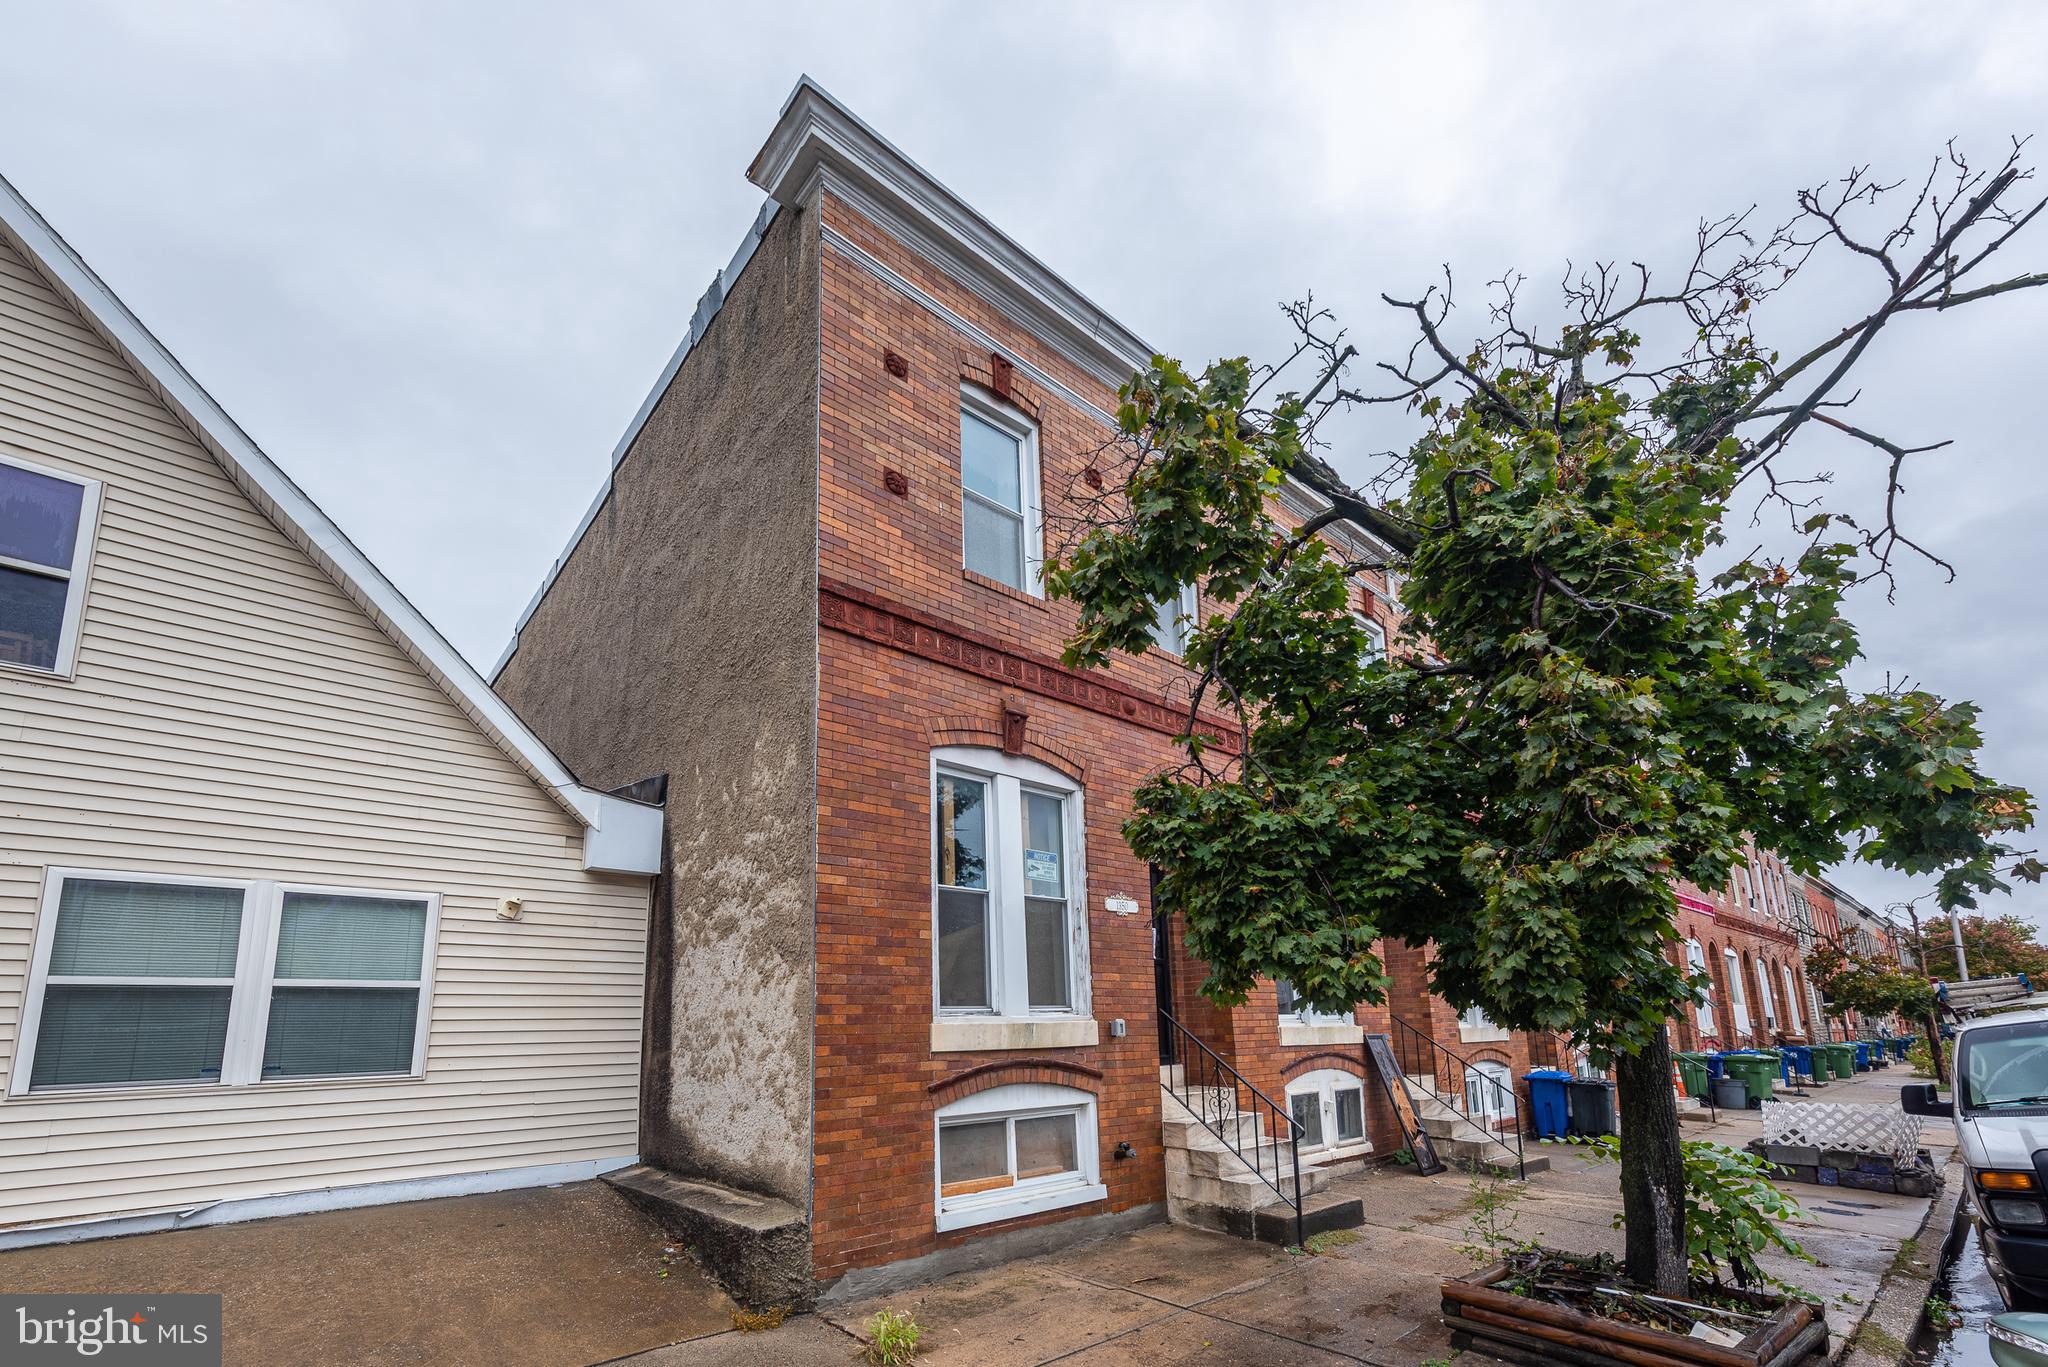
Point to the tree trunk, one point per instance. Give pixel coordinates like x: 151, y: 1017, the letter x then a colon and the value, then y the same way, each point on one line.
x: 1932, y: 1025
x: 1652, y: 1169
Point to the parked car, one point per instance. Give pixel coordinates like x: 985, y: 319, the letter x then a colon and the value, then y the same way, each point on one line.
x: 2000, y: 1109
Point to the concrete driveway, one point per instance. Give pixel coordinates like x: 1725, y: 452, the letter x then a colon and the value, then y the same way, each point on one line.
x: 562, y: 1275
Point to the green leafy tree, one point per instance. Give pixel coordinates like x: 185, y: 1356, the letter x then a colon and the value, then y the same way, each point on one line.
x: 1871, y: 986
x: 1996, y: 947
x: 1594, y: 695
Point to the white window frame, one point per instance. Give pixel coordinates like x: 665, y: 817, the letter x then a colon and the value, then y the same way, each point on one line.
x: 1738, y: 998
x: 1485, y: 1112
x: 1008, y: 778
x: 1324, y: 1084
x: 1308, y: 1015
x: 1765, y: 997
x: 1474, y: 1025
x: 1792, y: 999
x: 1186, y: 607
x: 1376, y: 637
x: 1021, y: 1101
x: 1703, y: 1006
x: 255, y: 976
x: 75, y: 576
x: 1006, y: 419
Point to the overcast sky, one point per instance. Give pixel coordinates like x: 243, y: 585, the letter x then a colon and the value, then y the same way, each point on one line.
x: 432, y: 257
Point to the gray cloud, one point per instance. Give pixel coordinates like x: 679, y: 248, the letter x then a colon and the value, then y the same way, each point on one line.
x: 433, y: 257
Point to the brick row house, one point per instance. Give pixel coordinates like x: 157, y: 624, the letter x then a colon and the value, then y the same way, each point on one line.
x: 905, y: 977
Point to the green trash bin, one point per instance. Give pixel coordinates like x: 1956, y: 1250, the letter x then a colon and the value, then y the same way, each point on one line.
x: 1842, y: 1060
x: 1757, y: 1073
x: 1692, y: 1071
x: 1770, y: 1074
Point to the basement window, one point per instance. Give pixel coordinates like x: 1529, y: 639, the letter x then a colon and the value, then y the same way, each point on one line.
x: 1329, y: 1106
x: 47, y: 519
x: 1015, y: 1150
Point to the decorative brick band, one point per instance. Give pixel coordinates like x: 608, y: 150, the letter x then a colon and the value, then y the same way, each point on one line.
x: 857, y: 612
x: 1349, y: 1062
x: 1057, y: 1071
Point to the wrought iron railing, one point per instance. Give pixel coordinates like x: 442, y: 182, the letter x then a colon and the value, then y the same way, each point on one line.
x: 1482, y: 1100
x: 1215, y: 1094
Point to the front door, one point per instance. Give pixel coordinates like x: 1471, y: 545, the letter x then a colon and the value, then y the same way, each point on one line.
x: 1162, y: 968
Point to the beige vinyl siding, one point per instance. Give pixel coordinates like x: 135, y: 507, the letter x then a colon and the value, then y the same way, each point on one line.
x: 234, y: 714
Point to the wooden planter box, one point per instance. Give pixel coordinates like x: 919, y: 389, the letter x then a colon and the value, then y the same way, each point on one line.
x: 1492, y: 1320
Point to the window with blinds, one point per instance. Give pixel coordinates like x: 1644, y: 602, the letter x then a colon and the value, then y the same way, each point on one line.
x: 141, y: 980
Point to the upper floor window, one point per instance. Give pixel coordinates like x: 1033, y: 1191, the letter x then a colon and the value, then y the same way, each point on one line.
x: 46, y: 529
x: 999, y: 509
x: 1010, y: 939
x: 1173, y: 619
x: 1375, y: 638
x: 1738, y: 999
x: 141, y: 979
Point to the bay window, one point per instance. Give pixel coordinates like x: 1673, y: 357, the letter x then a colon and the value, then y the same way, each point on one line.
x: 162, y: 980
x: 47, y: 519
x: 1009, y: 937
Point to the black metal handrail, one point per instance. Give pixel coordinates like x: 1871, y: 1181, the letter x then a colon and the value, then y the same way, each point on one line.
x: 1216, y: 1101
x: 1450, y: 1081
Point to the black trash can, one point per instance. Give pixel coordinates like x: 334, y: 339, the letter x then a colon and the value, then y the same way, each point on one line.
x: 1592, y: 1101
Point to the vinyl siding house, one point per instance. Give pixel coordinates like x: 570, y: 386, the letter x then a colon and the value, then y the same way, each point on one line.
x: 294, y: 913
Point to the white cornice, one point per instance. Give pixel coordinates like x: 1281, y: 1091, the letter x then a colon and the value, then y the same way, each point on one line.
x: 817, y: 133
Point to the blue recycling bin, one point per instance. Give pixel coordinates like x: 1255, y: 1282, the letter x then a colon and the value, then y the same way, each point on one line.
x: 1549, y: 1101
x: 1798, y: 1059
x: 1899, y: 1047
x: 1862, y: 1056
x: 1716, y: 1070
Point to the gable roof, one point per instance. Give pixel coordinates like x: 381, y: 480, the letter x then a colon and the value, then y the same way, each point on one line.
x: 622, y: 836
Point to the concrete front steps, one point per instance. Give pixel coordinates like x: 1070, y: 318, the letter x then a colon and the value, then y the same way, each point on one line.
x: 1463, y: 1142
x: 1210, y: 1186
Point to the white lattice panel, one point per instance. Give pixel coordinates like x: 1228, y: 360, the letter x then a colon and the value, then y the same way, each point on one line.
x: 1821, y: 1125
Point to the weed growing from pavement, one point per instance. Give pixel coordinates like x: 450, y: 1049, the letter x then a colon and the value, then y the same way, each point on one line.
x: 892, y: 1338
x: 1319, y: 1244
x: 1490, y: 1217
x: 1941, y: 1316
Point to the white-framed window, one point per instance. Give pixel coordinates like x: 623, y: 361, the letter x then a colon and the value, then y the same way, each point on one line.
x: 1375, y: 638
x: 1173, y: 620
x: 1703, y: 1009
x: 1764, y: 996
x: 1490, y: 1093
x: 1012, y: 1151
x: 1731, y: 963
x: 1002, y: 527
x: 1009, y: 933
x: 143, y: 979
x: 1792, y: 999
x: 1295, y: 1010
x: 47, y: 520
x: 1329, y: 1106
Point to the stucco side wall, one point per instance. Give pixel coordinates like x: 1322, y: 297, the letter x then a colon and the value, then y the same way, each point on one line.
x: 681, y: 637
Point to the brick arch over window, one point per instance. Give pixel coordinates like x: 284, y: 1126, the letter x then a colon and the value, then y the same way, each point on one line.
x: 987, y: 732
x: 1349, y: 1063
x: 1493, y: 1054
x: 978, y: 369
x: 1057, y: 1072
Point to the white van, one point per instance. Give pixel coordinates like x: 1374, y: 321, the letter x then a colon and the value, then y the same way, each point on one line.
x: 2001, y: 1117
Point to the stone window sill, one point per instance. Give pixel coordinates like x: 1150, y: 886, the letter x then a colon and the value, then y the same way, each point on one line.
x: 976, y: 1034
x: 1492, y: 1034
x: 1294, y: 1035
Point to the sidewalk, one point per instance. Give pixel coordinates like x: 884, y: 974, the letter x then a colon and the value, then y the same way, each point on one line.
x: 1172, y: 1295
